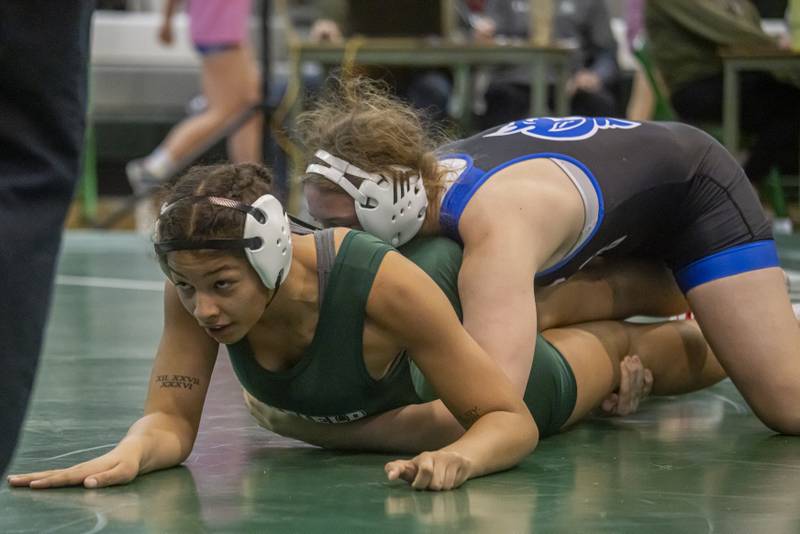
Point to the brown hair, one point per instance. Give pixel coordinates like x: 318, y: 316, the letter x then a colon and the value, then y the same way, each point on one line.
x: 245, y: 182
x: 358, y: 120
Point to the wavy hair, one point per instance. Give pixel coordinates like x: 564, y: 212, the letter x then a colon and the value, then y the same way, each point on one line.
x: 244, y: 182
x: 358, y: 120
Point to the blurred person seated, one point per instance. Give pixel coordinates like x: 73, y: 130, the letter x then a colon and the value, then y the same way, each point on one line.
x: 583, y: 24
x: 425, y: 89
x: 642, y: 102
x: 771, y: 9
x: 686, y: 37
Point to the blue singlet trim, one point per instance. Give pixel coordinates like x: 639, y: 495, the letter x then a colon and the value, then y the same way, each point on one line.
x: 461, y: 192
x: 729, y: 262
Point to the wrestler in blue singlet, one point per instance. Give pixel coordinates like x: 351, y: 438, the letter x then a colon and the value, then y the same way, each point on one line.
x: 664, y: 191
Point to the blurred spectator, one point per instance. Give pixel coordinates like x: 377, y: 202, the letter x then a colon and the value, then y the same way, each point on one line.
x: 231, y: 85
x: 426, y: 89
x: 686, y: 37
x: 646, y: 102
x: 44, y: 55
x: 634, y: 21
x: 772, y: 9
x: 583, y: 24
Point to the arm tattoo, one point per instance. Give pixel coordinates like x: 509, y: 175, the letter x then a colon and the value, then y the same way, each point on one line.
x: 177, y: 381
x: 470, y: 416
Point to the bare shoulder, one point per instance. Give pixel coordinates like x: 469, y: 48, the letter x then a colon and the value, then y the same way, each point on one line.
x: 532, y: 201
x: 532, y: 184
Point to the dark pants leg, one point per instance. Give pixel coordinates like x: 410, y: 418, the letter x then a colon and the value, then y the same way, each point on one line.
x: 509, y: 101
x: 505, y: 102
x: 430, y: 91
x: 593, y: 104
x: 769, y: 111
x: 44, y: 49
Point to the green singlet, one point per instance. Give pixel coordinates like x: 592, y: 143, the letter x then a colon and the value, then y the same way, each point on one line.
x: 330, y: 384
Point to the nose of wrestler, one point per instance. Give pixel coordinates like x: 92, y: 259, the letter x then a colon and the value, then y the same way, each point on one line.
x: 206, y: 311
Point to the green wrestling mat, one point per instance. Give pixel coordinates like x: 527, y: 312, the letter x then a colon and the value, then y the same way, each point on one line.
x: 701, y: 463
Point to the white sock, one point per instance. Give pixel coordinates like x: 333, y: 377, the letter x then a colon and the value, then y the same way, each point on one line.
x: 160, y: 164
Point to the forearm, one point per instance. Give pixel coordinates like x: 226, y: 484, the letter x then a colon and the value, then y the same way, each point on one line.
x: 420, y: 427
x: 165, y: 440
x: 409, y: 429
x: 495, y: 442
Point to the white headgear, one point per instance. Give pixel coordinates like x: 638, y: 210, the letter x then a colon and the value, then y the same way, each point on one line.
x: 390, y: 209
x: 267, y: 239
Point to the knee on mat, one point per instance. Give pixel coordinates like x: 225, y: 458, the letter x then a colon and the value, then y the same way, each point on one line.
x: 784, y: 419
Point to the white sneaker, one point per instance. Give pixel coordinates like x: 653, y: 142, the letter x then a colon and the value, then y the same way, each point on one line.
x: 782, y: 226
x: 196, y: 105
x: 140, y: 180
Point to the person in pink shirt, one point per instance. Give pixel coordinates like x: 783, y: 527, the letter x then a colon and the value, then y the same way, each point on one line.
x: 231, y: 85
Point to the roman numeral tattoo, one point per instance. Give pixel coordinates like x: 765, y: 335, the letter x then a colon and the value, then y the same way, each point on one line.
x: 177, y: 381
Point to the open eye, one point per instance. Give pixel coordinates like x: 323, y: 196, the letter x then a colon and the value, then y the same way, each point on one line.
x: 182, y: 287
x: 223, y: 284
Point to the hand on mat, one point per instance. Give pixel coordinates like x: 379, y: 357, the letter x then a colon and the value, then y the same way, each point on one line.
x: 438, y: 470
x: 635, y: 383
x: 118, y: 466
x: 295, y: 427
x: 278, y: 421
x: 264, y: 415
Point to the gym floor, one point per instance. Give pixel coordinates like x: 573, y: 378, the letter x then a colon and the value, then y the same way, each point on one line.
x: 698, y: 463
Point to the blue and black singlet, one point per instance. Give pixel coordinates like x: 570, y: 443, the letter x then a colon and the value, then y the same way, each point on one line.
x: 658, y: 190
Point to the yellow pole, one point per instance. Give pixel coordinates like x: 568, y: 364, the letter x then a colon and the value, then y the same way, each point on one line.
x: 541, y: 22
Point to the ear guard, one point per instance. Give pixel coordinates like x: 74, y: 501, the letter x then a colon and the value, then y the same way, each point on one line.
x: 267, y: 239
x: 391, y: 210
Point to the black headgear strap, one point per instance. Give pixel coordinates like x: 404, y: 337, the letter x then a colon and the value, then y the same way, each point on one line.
x: 209, y: 244
x: 172, y: 245
x: 214, y: 244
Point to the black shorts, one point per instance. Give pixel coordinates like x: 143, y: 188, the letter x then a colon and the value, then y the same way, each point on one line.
x: 726, y: 231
